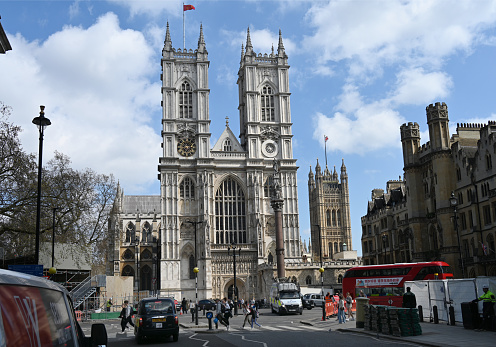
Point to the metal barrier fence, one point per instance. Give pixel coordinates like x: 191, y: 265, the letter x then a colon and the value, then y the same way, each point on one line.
x: 448, y: 293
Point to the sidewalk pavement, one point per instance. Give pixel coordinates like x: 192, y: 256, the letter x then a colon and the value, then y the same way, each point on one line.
x: 432, y: 334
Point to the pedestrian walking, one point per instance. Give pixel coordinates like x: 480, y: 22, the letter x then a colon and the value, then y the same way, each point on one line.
x: 409, y: 300
x: 187, y: 306
x: 184, y: 303
x: 109, y: 304
x: 219, y: 313
x: 349, y: 306
x: 254, y: 316
x: 126, y: 314
x: 488, y: 300
x: 247, y: 314
x: 227, y: 313
x: 341, y: 316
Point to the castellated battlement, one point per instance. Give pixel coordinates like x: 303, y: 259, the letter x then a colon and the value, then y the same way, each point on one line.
x: 474, y: 126
x: 410, y: 130
x: 425, y: 147
x: 436, y: 111
x: 437, y: 106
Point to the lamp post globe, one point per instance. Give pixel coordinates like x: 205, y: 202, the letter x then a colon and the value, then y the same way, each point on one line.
x: 321, y: 270
x: 195, y: 270
x: 52, y: 271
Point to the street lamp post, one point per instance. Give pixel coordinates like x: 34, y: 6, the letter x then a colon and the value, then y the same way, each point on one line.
x: 41, y: 122
x: 235, y: 288
x: 384, y: 247
x: 136, y: 254
x: 454, y: 203
x: 321, y: 270
x: 196, y: 272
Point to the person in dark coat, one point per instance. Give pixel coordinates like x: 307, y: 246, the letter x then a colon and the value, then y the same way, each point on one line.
x: 126, y: 314
x: 409, y: 300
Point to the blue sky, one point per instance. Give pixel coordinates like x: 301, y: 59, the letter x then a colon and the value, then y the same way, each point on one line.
x: 359, y: 69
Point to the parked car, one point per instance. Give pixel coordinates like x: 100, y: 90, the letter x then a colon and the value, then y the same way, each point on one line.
x: 36, y: 311
x: 209, y: 305
x: 313, y: 300
x: 156, y: 318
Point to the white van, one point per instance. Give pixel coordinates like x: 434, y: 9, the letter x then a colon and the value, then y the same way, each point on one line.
x: 285, y: 298
x: 38, y: 312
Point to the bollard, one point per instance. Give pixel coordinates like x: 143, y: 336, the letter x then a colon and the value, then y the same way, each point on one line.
x: 192, y: 315
x: 361, y: 303
x: 421, y: 313
x: 209, y: 317
x: 452, y: 315
x: 435, y: 314
x: 323, y: 312
x: 203, y: 310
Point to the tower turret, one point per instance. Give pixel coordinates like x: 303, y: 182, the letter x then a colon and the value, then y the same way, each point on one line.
x: 437, y: 120
x: 410, y: 141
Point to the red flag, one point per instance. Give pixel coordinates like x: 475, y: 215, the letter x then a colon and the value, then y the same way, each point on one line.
x: 326, y: 138
x: 188, y: 7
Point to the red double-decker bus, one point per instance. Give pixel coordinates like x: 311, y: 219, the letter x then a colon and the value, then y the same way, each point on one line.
x: 384, y: 284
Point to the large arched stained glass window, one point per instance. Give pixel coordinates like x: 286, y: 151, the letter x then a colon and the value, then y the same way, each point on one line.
x: 230, y: 214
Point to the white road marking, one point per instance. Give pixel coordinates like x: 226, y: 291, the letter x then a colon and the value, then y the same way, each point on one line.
x: 192, y: 338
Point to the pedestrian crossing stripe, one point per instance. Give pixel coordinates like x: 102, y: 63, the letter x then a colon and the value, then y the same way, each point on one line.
x: 265, y: 327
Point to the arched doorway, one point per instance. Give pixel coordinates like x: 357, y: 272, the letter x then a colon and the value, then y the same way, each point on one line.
x: 146, y: 278
x: 241, y: 289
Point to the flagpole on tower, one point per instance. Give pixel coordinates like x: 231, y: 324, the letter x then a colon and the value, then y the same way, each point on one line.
x: 325, y: 147
x: 184, y: 31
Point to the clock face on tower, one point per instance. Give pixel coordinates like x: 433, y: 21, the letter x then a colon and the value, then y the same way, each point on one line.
x: 186, y: 147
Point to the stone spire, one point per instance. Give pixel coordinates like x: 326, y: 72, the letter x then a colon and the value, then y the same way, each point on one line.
x: 242, y: 52
x: 249, y: 47
x: 168, y: 41
x: 280, y: 47
x: 201, y: 40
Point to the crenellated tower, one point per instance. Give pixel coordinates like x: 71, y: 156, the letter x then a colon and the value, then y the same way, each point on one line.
x: 329, y: 203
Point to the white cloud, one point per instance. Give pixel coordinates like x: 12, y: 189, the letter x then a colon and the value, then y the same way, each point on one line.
x: 386, y: 32
x: 415, y: 86
x: 95, y: 85
x: 369, y: 128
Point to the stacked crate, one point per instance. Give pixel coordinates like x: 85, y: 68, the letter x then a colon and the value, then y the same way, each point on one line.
x: 367, y: 317
x: 384, y: 319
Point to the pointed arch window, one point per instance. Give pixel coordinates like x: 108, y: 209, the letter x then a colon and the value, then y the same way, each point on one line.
x: 308, y: 280
x: 129, y: 232
x: 338, y: 218
x: 146, y: 233
x: 230, y: 214
x: 328, y: 218
x: 267, y: 103
x: 267, y: 186
x: 185, y: 101
x: 334, y: 218
x: 187, y: 189
x: 227, y: 145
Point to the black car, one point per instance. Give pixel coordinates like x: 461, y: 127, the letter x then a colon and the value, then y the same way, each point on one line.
x: 156, y: 317
x: 209, y: 305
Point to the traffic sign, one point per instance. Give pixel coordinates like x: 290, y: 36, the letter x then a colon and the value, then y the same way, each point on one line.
x: 209, y: 315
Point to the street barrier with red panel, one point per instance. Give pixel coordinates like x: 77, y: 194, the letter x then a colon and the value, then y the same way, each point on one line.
x: 331, y: 308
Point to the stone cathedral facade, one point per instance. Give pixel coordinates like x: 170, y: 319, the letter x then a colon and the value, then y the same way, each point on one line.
x: 213, y: 197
